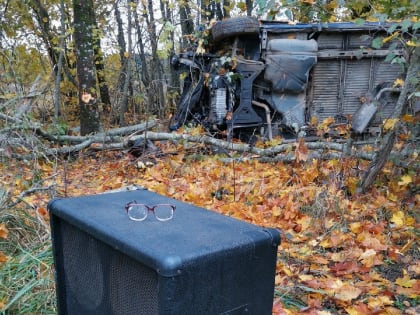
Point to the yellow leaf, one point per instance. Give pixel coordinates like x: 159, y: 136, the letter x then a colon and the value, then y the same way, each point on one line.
x: 325, y: 243
x: 405, y: 281
x: 398, y: 218
x: 126, y: 54
x: 389, y: 124
x: 306, y: 277
x: 356, y: 227
x: 412, y: 44
x: 391, y: 37
x: 405, y: 180
x: 352, y: 184
x: 276, y: 211
x: 398, y: 83
x: 392, y: 197
x: 287, y: 271
x: 328, y: 121
x: 3, y: 231
x: 379, y: 301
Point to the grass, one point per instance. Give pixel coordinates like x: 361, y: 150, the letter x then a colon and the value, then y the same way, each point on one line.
x: 27, y: 278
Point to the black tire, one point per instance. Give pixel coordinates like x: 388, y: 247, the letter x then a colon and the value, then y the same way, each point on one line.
x: 242, y: 25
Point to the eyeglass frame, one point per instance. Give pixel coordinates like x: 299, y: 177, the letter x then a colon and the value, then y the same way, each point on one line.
x: 152, y: 209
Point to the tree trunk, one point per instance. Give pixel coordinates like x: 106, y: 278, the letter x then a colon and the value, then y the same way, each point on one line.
x: 187, y: 24
x: 145, y: 76
x: 156, y: 97
x: 100, y: 72
x: 167, y: 13
x: 123, y: 79
x: 60, y: 64
x: 388, y: 140
x: 48, y: 38
x: 127, y: 77
x: 84, y: 22
x: 249, y: 6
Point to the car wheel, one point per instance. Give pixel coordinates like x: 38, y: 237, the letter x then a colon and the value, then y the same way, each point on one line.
x: 242, y: 25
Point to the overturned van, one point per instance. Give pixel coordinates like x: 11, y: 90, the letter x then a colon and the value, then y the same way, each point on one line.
x: 275, y: 78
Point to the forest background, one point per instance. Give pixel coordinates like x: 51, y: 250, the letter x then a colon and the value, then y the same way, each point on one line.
x: 67, y: 120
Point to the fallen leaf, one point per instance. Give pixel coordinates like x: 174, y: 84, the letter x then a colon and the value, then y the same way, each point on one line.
x: 359, y: 309
x: 345, y: 268
x: 369, y: 258
x: 301, y: 152
x: 398, y: 83
x: 278, y: 308
x: 389, y: 124
x: 405, y: 180
x: 3, y: 257
x: 379, y: 301
x: 371, y: 241
x: 347, y: 292
x: 3, y: 231
x: 405, y: 281
x: 398, y: 218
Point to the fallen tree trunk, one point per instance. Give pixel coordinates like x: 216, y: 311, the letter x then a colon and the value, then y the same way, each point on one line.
x: 119, y: 139
x: 283, y: 152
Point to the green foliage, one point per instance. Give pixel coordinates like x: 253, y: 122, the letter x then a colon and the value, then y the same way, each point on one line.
x: 59, y: 128
x: 26, y: 279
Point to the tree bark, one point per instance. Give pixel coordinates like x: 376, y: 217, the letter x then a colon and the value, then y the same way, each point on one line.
x: 84, y: 22
x: 187, y: 24
x: 60, y: 63
x: 100, y: 72
x: 127, y: 68
x: 156, y: 97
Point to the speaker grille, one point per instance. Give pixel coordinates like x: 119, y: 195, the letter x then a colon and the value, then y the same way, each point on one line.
x: 101, y: 280
x: 84, y: 274
x: 134, y: 287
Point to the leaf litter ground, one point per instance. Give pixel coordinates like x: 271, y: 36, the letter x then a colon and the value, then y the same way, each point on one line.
x: 340, y: 253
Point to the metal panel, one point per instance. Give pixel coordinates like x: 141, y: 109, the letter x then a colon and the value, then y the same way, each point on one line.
x: 356, y: 84
x: 324, y: 89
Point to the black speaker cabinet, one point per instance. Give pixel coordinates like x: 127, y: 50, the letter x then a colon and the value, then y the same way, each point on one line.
x: 200, y: 262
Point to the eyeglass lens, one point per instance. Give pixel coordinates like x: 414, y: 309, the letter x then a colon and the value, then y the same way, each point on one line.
x: 139, y: 212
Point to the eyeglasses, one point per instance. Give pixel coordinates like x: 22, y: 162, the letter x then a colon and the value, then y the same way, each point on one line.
x: 138, y: 211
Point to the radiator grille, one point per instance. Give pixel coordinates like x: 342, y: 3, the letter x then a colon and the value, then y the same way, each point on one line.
x: 338, y: 86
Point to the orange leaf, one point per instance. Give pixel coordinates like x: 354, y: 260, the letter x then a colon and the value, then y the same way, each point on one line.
x: 370, y: 241
x: 345, y: 268
x: 42, y: 211
x: 301, y: 152
x: 3, y: 231
x: 278, y: 308
x: 3, y: 257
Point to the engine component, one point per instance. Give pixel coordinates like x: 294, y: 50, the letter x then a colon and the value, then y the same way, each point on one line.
x: 218, y: 106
